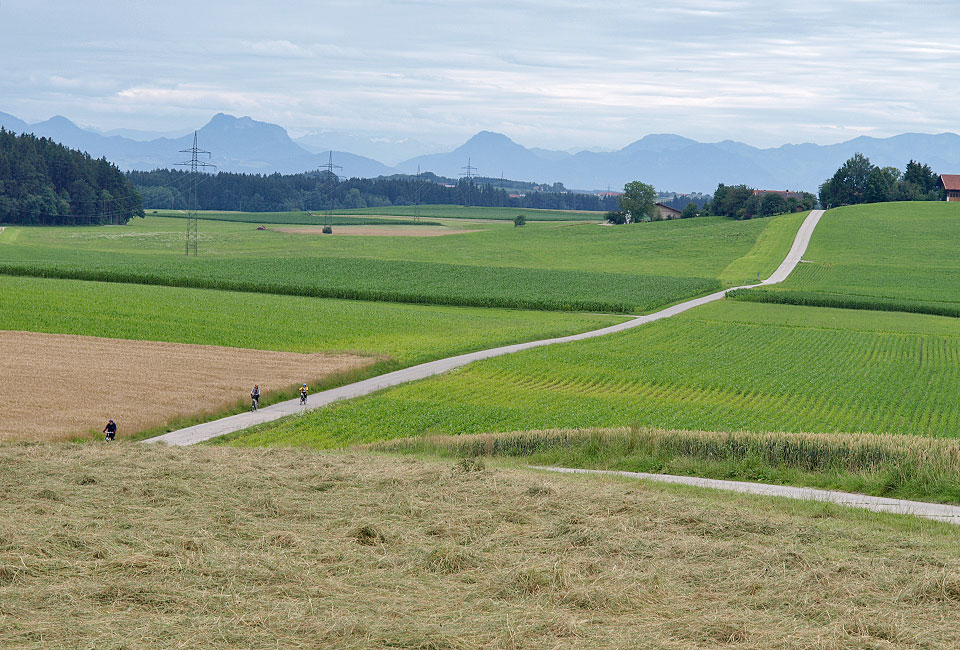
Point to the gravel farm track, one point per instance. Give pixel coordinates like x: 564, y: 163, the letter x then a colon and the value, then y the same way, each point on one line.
x: 208, y: 430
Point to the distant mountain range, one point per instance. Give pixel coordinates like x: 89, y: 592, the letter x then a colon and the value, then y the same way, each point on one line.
x: 668, y: 162
x: 236, y: 144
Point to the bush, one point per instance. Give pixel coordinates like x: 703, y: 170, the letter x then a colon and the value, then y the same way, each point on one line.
x: 519, y: 220
x: 327, y: 230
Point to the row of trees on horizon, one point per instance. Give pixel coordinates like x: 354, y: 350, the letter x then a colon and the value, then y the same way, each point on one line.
x: 322, y: 190
x: 45, y: 183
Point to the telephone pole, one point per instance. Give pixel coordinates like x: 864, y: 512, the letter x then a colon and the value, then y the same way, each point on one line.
x: 193, y: 231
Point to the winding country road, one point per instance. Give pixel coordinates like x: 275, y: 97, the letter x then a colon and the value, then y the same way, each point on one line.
x: 208, y: 430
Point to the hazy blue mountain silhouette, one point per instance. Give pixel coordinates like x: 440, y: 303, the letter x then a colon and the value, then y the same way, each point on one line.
x: 236, y: 144
x: 667, y: 161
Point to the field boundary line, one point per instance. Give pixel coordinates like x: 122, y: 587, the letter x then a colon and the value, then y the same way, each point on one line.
x: 936, y: 511
x: 207, y: 430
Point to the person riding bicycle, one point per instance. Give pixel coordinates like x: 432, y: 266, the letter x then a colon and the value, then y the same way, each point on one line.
x: 304, y: 391
x: 255, y: 397
x: 110, y: 430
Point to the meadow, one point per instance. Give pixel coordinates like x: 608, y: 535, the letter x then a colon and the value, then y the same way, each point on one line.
x: 581, y: 267
x: 893, y: 466
x: 884, y: 256
x: 474, y: 212
x: 142, y: 546
x: 404, y: 334
x: 297, y: 218
x: 726, y: 366
x: 701, y: 248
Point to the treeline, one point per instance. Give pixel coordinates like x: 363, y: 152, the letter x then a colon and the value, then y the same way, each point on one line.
x: 742, y: 202
x: 321, y: 190
x: 42, y: 182
x: 860, y: 181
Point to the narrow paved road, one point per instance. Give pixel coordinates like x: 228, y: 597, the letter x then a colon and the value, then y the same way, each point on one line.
x: 208, y: 430
x: 936, y: 511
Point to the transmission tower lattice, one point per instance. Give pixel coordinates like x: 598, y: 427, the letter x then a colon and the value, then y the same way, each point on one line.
x: 469, y: 173
x: 329, y: 185
x: 193, y: 232
x: 416, y: 194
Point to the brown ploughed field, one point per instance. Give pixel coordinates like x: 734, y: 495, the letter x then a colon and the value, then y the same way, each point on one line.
x: 58, y: 387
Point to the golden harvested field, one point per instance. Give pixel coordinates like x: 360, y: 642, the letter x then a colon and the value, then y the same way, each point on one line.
x: 56, y: 387
x: 377, y: 231
x: 137, y: 546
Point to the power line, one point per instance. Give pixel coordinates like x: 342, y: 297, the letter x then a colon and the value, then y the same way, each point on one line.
x: 329, y: 185
x: 469, y: 172
x: 193, y: 230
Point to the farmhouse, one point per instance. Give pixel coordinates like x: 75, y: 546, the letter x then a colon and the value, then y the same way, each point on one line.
x: 666, y: 212
x: 951, y: 183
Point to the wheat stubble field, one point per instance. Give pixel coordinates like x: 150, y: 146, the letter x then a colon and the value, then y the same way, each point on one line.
x: 57, y: 386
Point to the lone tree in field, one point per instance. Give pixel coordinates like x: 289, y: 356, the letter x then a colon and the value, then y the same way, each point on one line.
x: 636, y: 203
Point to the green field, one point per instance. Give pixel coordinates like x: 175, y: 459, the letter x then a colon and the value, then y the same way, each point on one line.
x: 885, y: 256
x: 723, y: 367
x: 469, y: 212
x: 542, y: 266
x: 405, y: 334
x: 293, y: 218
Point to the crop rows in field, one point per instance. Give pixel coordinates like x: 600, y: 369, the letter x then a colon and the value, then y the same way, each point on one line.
x: 295, y: 218
x: 391, y: 281
x: 845, y: 301
x: 406, y: 334
x: 715, y: 368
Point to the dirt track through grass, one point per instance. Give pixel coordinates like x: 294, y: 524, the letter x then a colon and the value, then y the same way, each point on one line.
x: 55, y: 387
x: 127, y: 546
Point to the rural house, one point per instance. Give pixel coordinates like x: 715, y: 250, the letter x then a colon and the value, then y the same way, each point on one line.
x: 951, y: 183
x: 666, y: 212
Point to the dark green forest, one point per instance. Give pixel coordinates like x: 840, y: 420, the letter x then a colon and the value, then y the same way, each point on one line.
x: 321, y: 190
x: 45, y: 183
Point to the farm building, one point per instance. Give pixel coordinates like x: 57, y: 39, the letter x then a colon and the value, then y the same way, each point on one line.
x: 666, y: 212
x: 951, y: 183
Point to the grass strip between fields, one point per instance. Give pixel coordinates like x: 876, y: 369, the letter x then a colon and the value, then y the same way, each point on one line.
x: 844, y: 301
x: 903, y: 467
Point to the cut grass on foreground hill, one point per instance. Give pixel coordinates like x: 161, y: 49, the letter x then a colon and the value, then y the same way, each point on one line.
x: 902, y: 467
x: 883, y: 256
x: 134, y: 546
x: 726, y: 366
x: 407, y: 334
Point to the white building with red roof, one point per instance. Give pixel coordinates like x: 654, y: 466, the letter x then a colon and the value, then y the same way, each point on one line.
x: 951, y: 183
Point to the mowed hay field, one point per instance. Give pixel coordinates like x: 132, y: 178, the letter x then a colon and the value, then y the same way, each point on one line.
x: 129, y: 546
x: 56, y: 387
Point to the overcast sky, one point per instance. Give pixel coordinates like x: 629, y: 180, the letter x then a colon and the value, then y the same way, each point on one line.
x: 556, y: 73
